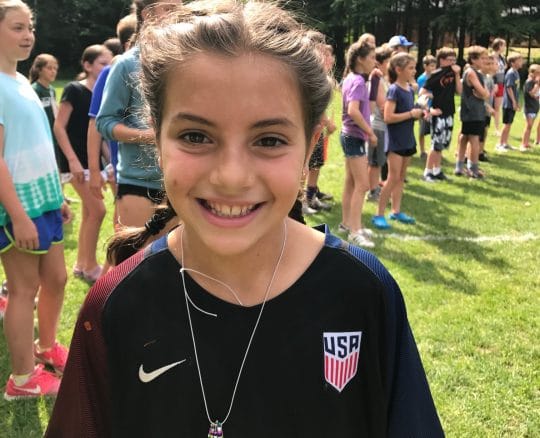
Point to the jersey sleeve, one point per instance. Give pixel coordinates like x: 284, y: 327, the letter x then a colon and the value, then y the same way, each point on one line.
x: 97, y: 93
x: 411, y: 410
x: 374, y: 89
x: 83, y: 406
x: 70, y: 94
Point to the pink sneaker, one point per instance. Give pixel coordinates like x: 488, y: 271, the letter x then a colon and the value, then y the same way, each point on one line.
x: 3, y: 305
x: 40, y: 383
x: 56, y: 357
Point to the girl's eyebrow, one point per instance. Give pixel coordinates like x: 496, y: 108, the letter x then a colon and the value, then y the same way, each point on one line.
x: 283, y: 121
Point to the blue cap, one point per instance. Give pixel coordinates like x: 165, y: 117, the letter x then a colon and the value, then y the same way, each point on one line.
x: 399, y: 40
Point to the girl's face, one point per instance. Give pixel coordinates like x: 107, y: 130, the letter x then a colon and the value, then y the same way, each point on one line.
x: 94, y: 69
x: 407, y: 73
x: 232, y: 148
x: 16, y: 36
x: 367, y: 64
x: 48, y: 72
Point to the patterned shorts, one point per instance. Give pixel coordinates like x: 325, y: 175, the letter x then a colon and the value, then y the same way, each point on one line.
x: 441, y: 132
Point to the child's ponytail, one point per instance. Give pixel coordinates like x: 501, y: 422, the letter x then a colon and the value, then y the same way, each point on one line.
x: 39, y: 63
x: 127, y: 242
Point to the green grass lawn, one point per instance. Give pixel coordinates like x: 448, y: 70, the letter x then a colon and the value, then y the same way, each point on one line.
x: 470, y: 276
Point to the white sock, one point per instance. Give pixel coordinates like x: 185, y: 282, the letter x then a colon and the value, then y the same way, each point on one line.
x: 436, y: 170
x: 427, y: 171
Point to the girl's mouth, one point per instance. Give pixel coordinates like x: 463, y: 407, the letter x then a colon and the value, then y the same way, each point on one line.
x: 227, y: 210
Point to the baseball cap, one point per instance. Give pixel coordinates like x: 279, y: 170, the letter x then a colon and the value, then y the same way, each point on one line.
x: 399, y: 40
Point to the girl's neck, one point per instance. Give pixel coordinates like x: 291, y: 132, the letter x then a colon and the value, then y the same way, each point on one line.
x: 89, y: 82
x: 43, y: 82
x: 247, y: 273
x: 8, y: 67
x: 402, y: 83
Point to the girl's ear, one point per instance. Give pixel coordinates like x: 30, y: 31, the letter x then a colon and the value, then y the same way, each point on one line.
x: 313, y: 141
x: 86, y: 66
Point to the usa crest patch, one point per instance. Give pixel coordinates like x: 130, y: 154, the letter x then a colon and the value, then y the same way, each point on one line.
x: 341, y: 352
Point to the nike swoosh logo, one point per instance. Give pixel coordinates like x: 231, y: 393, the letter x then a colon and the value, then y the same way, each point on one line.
x: 148, y: 377
x: 35, y: 390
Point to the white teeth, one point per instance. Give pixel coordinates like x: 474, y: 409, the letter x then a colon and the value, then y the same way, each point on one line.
x: 232, y: 211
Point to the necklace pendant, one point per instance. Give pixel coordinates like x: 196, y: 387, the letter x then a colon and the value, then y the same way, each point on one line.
x: 216, y: 430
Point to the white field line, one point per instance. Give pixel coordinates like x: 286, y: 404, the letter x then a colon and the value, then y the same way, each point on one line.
x: 514, y: 238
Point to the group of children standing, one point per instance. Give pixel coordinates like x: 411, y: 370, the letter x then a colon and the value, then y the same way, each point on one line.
x: 385, y: 122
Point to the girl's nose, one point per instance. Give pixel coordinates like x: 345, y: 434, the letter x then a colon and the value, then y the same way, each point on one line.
x: 234, y: 169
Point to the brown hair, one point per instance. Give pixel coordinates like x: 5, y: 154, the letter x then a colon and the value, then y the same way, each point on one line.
x: 497, y: 43
x: 400, y: 60
x: 513, y: 58
x: 534, y: 68
x: 232, y: 29
x: 90, y: 54
x: 383, y: 53
x: 125, y: 28
x: 429, y: 59
x: 39, y: 63
x: 445, y: 52
x: 10, y: 5
x: 357, y: 50
x: 475, y: 52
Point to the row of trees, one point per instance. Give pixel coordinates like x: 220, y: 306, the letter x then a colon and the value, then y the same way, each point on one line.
x: 65, y: 27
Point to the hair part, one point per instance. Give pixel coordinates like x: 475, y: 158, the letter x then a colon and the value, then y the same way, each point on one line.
x: 399, y: 60
x: 232, y: 29
x: 39, y: 64
x: 12, y: 5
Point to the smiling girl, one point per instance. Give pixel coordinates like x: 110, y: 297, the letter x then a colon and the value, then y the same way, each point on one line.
x: 240, y: 320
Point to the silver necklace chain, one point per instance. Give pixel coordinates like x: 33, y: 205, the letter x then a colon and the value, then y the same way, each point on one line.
x: 188, y: 300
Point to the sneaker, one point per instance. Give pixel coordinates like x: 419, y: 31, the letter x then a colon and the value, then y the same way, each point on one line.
x: 367, y: 232
x: 402, y: 217
x: 380, y: 222
x: 360, y: 239
x: 40, y: 383
x: 502, y: 148
x: 78, y: 272
x: 461, y: 172
x: 423, y: 156
x: 92, y: 276
x: 373, y: 195
x: 441, y: 176
x: 307, y: 210
x: 323, y: 196
x: 317, y: 204
x: 483, y: 157
x: 524, y: 148
x: 3, y: 305
x: 429, y: 178
x: 343, y: 228
x: 477, y: 174
x: 56, y: 357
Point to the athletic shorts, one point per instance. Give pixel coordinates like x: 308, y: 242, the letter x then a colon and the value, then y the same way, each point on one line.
x: 441, y: 132
x: 352, y: 146
x: 50, y: 232
x: 425, y: 127
x: 376, y: 154
x: 500, y: 90
x: 488, y: 122
x: 508, y: 116
x: 484, y: 131
x: 316, y: 161
x: 405, y: 153
x: 154, y: 195
x: 472, y: 128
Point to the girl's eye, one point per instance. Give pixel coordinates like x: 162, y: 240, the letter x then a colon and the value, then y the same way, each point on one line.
x: 269, y: 142
x: 195, y: 137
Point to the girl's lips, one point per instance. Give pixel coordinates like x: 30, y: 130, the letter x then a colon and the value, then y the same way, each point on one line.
x: 228, y: 211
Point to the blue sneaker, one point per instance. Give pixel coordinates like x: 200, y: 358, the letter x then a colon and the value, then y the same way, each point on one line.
x: 380, y: 222
x: 402, y: 217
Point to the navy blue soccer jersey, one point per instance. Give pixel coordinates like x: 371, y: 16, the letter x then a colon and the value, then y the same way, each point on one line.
x: 333, y: 356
